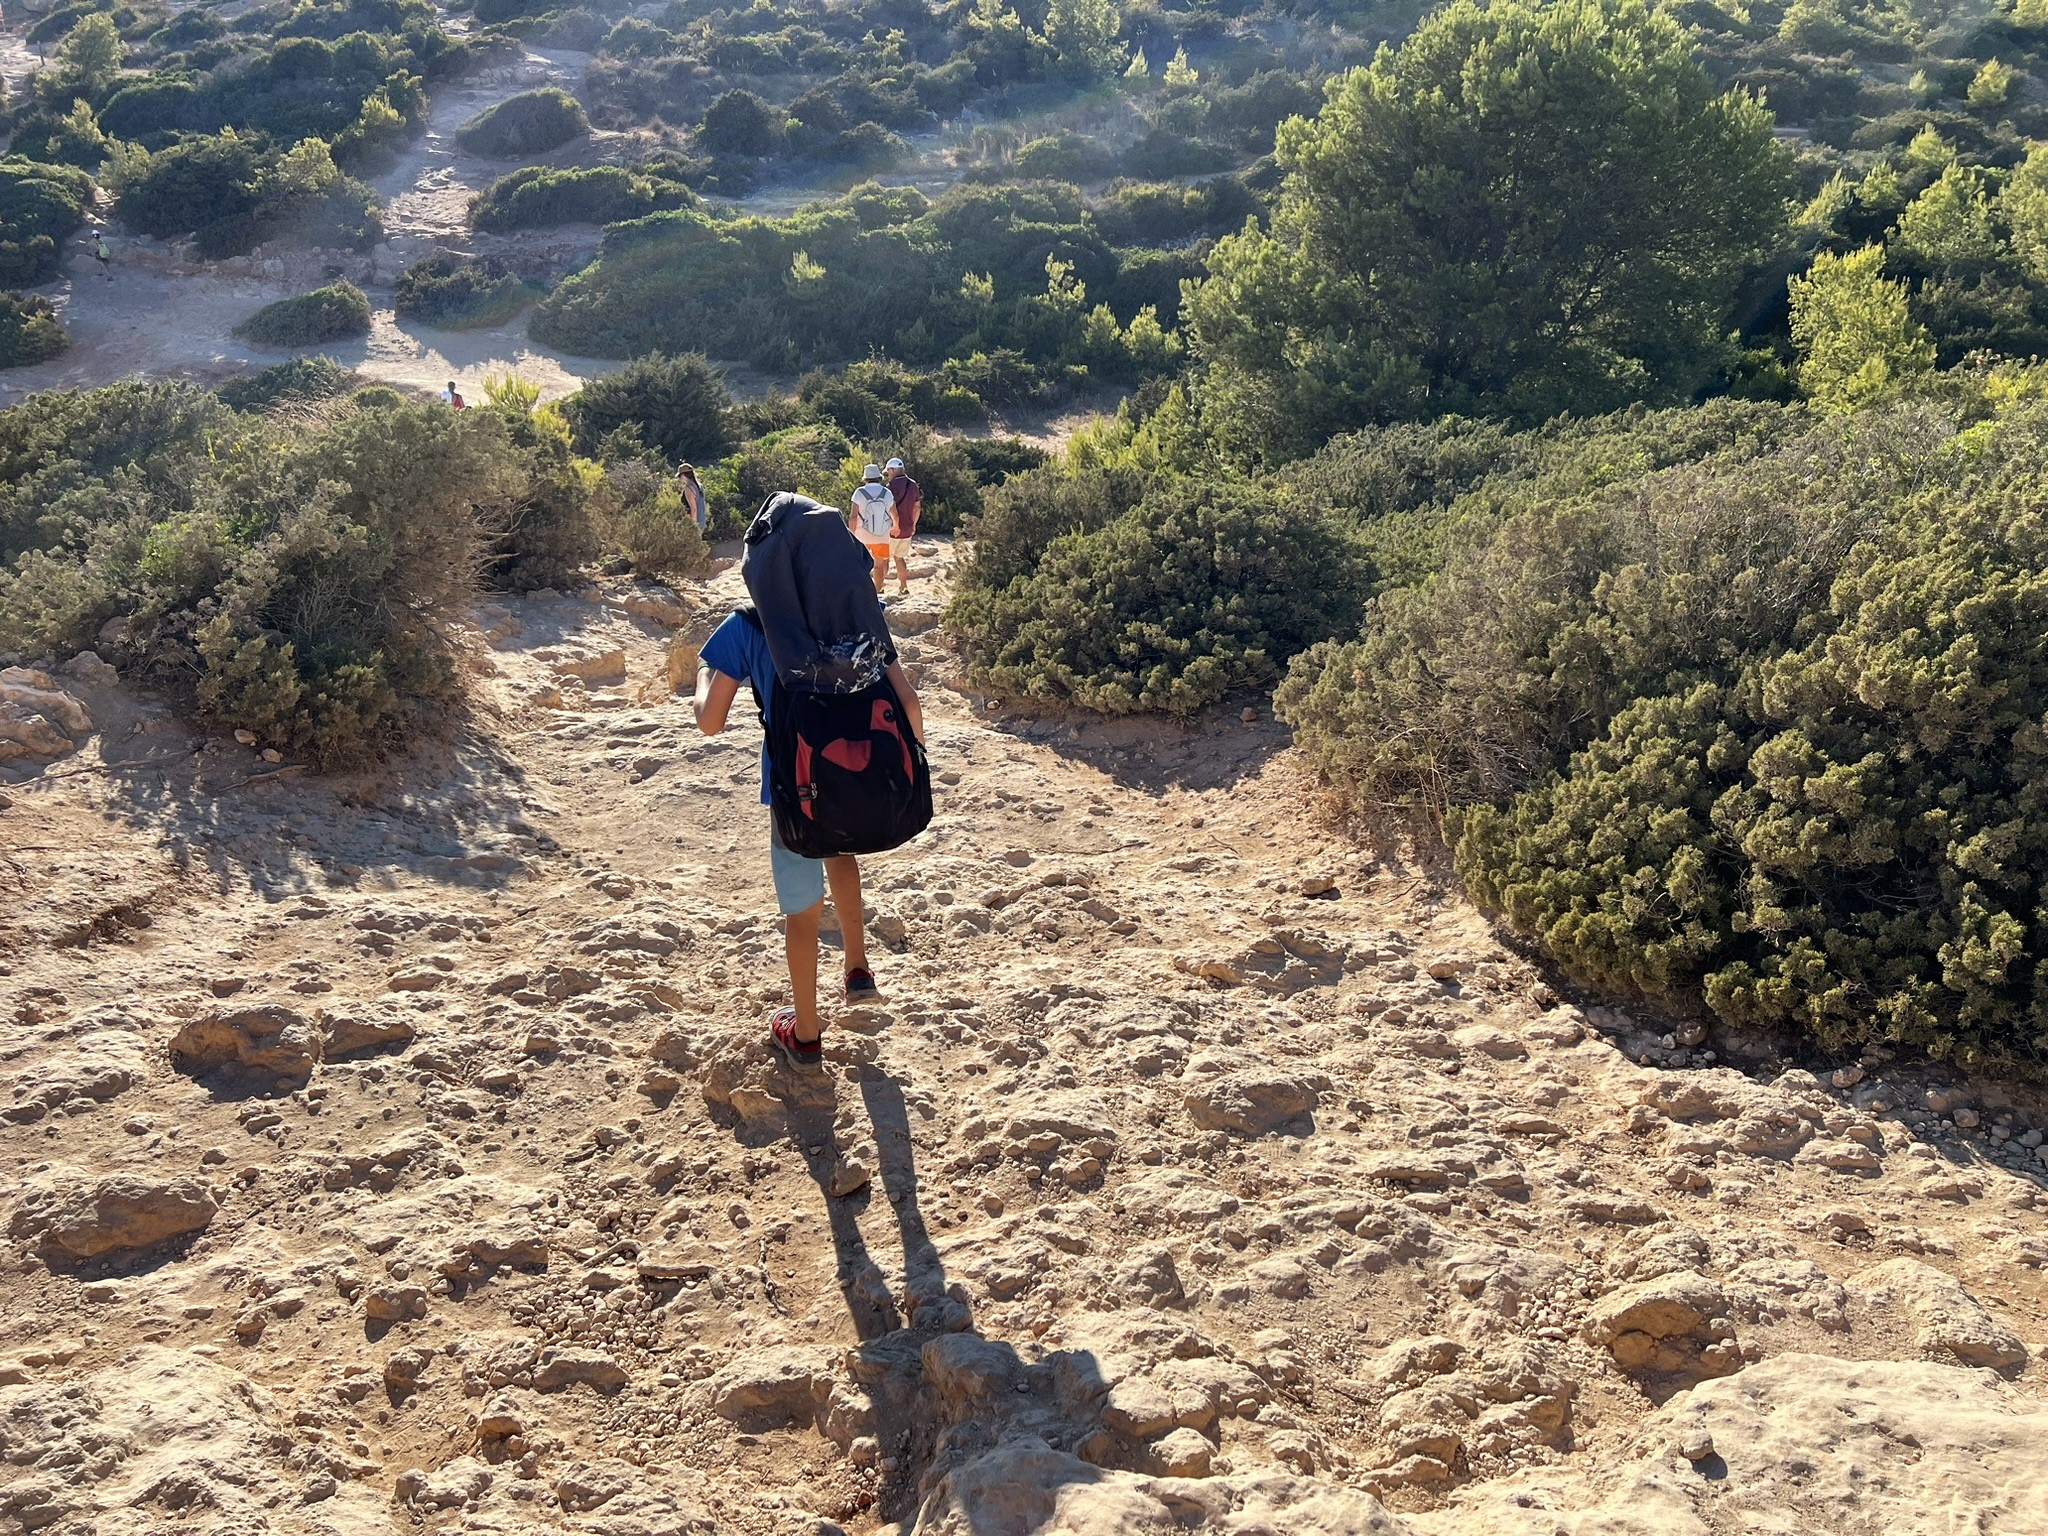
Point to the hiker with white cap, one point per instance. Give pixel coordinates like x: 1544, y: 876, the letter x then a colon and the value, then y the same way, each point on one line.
x: 909, y: 502
x: 874, y: 519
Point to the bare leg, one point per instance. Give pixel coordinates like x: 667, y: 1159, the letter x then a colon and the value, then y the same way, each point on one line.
x: 843, y: 875
x: 800, y: 945
x: 902, y: 574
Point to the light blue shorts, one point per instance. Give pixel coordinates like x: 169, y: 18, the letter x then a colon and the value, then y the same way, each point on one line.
x: 799, y: 882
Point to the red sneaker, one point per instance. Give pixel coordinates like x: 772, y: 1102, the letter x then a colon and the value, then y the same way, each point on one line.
x: 808, y: 1055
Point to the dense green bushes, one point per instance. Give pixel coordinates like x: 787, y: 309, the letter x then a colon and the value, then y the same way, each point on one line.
x: 29, y: 331
x: 979, y: 273
x: 232, y: 193
x: 675, y: 405
x: 537, y: 197
x: 293, y: 582
x: 334, y: 313
x: 301, y: 381
x: 528, y: 124
x: 456, y: 292
x: 1195, y: 591
x: 1764, y: 725
x: 41, y: 206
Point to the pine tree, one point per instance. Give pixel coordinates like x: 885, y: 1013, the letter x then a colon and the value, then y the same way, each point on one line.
x: 1855, y: 336
x: 1083, y: 35
x: 1179, y: 71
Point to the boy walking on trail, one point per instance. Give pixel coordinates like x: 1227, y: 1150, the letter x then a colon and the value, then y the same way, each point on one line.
x: 738, y: 651
x: 909, y: 501
x: 104, y: 256
x: 874, y: 519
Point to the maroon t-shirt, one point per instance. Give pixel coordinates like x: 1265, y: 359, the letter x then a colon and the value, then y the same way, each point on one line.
x: 909, y: 501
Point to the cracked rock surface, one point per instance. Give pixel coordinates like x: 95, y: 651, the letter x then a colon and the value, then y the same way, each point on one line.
x: 401, y: 1152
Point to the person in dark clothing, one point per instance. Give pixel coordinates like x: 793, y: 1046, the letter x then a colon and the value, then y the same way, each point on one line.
x: 817, y: 625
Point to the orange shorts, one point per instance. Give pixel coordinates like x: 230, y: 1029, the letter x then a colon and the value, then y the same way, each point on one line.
x: 879, y: 551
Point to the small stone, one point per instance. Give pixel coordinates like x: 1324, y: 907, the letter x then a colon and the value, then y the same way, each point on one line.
x: 1966, y: 1119
x: 1695, y: 1444
x: 272, y: 755
x: 1846, y: 1077
x: 1184, y: 1453
x: 246, y: 737
x: 1249, y: 715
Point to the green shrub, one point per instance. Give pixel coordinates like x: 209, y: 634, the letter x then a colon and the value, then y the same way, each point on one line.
x: 646, y: 522
x: 299, y: 381
x: 741, y: 123
x: 531, y: 123
x: 232, y: 193
x: 1194, y: 592
x: 675, y: 404
x: 457, y: 292
x: 539, y: 197
x: 296, y: 583
x: 333, y: 313
x: 41, y: 206
x: 1025, y: 515
x: 29, y: 330
x: 69, y: 138
x: 1842, y: 831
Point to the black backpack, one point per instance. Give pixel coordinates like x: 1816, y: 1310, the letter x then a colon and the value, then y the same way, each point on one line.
x: 845, y: 772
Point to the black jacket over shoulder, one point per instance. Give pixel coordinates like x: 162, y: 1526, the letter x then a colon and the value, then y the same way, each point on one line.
x: 812, y: 583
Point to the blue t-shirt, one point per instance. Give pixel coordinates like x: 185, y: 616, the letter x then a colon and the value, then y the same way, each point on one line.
x: 738, y: 649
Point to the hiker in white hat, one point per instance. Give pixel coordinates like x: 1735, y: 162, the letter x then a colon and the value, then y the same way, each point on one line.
x: 874, y: 519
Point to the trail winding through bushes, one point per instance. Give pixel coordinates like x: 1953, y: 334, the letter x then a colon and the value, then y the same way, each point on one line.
x: 160, y: 317
x: 401, y: 1152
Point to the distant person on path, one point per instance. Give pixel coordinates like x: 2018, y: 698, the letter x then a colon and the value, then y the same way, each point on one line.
x: 693, y: 495
x: 104, y: 256
x: 874, y: 519
x: 738, y: 651
x: 452, y: 397
x: 909, y: 499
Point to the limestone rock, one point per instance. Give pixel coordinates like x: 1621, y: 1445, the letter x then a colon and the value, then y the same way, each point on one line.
x: 1022, y: 1487
x: 268, y: 1038
x: 1951, y: 1320
x: 1251, y: 1102
x: 37, y: 718
x: 99, y: 1066
x: 351, y: 1029
x: 80, y: 1217
x: 1810, y: 1443
x: 769, y: 1387
x: 1671, y: 1305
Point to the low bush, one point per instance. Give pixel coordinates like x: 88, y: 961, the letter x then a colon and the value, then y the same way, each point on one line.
x: 457, y: 292
x: 232, y: 193
x: 1197, y: 590
x: 68, y: 138
x: 41, y: 206
x: 29, y: 330
x: 298, y: 382
x: 539, y: 197
x: 1762, y: 727
x: 531, y: 123
x: 645, y: 520
x: 1027, y: 513
x: 334, y: 313
x: 300, y: 584
x: 675, y: 405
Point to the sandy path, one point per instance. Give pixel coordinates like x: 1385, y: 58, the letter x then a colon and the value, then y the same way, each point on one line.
x: 158, y: 318
x: 1190, y: 1138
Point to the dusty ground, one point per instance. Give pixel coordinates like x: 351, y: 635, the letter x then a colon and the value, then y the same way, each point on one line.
x: 402, y: 1152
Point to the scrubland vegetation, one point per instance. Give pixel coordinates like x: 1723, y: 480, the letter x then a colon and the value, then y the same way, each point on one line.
x: 1614, y: 431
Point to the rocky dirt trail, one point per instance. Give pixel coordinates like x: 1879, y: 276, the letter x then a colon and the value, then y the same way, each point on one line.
x: 162, y: 314
x: 401, y: 1152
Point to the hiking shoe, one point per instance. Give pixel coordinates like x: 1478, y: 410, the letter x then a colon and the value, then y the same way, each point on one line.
x: 860, y: 986
x: 807, y: 1055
